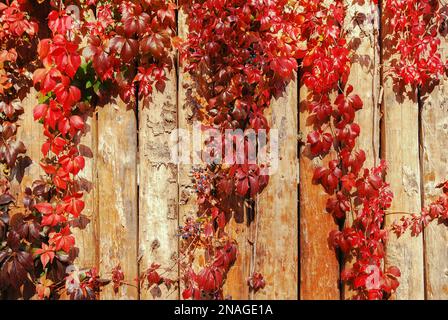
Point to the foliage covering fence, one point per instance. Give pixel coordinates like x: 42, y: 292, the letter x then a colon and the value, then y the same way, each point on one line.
x: 138, y: 199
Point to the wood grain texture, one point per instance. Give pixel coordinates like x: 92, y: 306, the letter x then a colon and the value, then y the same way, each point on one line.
x: 363, y: 38
x: 401, y: 152
x: 31, y: 134
x: 361, y: 25
x: 319, y: 265
x: 434, y: 119
x: 117, y: 195
x: 158, y: 219
x: 400, y: 148
x: 240, y: 228
x: 276, y: 242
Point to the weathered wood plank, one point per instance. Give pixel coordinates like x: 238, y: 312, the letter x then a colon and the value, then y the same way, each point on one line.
x: 401, y: 153
x: 400, y: 148
x: 363, y: 39
x: 319, y: 265
x: 187, y: 206
x: 240, y: 228
x: 237, y: 228
x: 158, y: 220
x: 361, y: 25
x: 434, y: 120
x: 87, y: 238
x: 117, y: 195
x: 31, y: 134
x: 276, y: 242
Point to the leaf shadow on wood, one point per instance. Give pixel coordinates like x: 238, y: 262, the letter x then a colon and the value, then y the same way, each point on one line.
x: 236, y: 210
x: 310, y: 122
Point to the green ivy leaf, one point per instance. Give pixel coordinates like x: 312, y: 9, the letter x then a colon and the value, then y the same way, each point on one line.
x: 96, y: 87
x: 44, y: 98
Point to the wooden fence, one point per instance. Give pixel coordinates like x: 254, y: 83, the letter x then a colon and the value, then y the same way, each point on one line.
x: 138, y: 198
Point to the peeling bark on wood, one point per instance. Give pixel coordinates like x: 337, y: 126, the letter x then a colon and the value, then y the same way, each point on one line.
x: 158, y: 219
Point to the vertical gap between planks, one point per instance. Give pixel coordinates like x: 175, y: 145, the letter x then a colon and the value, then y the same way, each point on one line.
x: 297, y: 176
x: 179, y: 107
x: 137, y: 183
x: 177, y: 67
x: 376, y: 84
x: 421, y: 182
x: 250, y: 211
x: 97, y: 196
x: 381, y: 83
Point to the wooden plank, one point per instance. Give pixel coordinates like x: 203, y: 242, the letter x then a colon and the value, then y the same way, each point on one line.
x: 238, y: 227
x: 187, y: 206
x: 158, y: 220
x: 400, y: 148
x: 31, y: 134
x: 86, y: 239
x: 434, y: 141
x: 363, y: 38
x: 117, y: 195
x: 361, y: 25
x: 276, y: 241
x: 319, y: 265
x: 401, y: 153
x: 87, y: 236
